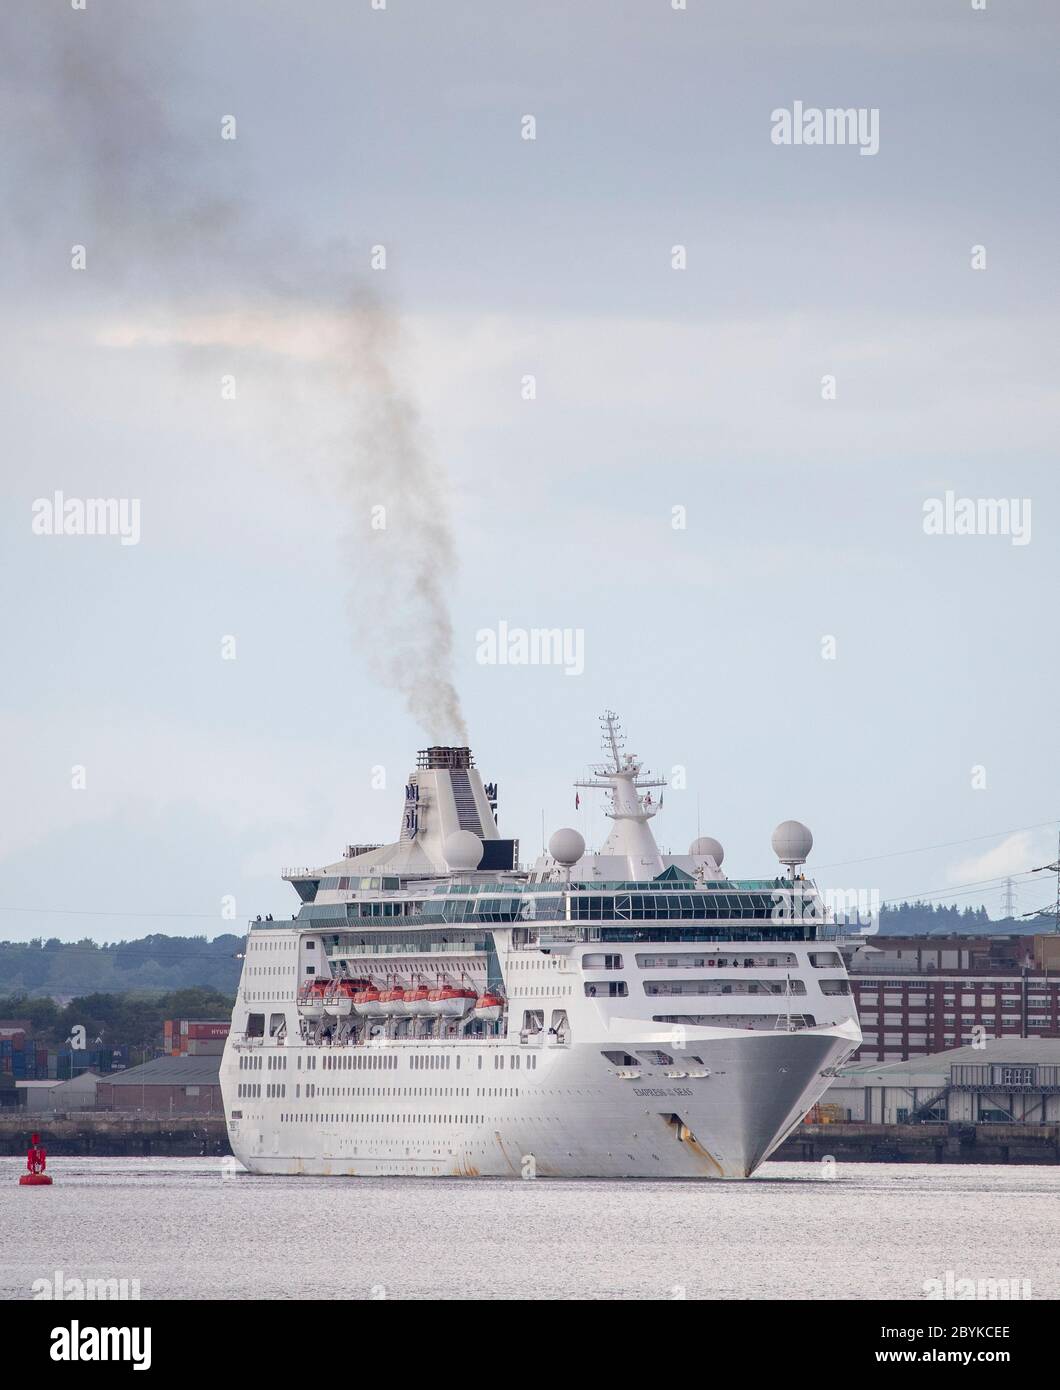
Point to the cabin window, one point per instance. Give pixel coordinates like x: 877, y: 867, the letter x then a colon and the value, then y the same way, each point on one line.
x: 691, y: 960
x: 255, y: 1025
x: 606, y: 989
x: 771, y: 1022
x: 721, y: 985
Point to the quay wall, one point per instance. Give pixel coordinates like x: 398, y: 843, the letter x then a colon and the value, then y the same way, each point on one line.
x: 937, y: 1143
x: 195, y: 1136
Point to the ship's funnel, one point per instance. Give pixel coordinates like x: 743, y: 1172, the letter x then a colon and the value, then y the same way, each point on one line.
x: 444, y: 758
x: 446, y: 806
x: 445, y: 798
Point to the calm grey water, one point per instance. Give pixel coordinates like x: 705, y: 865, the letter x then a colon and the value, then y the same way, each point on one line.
x: 186, y: 1230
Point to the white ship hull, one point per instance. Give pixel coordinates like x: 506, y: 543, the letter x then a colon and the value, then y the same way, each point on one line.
x: 570, y: 1117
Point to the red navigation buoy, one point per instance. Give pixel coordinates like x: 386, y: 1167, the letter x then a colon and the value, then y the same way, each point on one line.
x: 36, y: 1162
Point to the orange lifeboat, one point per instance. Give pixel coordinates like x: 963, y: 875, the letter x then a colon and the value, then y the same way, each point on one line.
x: 338, y: 998
x: 416, y: 1000
x: 489, y: 1007
x: 366, y: 1002
x: 450, y: 1001
x: 393, y: 1001
x: 311, y: 998
x: 468, y: 998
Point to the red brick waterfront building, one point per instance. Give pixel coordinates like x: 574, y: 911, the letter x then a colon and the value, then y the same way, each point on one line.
x: 920, y: 995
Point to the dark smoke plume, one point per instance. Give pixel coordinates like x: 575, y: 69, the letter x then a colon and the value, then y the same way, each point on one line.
x: 101, y: 160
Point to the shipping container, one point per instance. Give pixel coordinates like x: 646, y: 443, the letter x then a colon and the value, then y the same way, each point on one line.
x: 203, y: 1031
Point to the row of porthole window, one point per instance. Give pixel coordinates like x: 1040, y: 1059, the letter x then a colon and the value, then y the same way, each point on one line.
x: 516, y: 1061
x: 315, y: 1119
x: 393, y: 1090
x: 359, y: 1061
x: 311, y: 1091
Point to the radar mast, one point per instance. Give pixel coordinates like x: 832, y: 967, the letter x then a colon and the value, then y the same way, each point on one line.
x: 623, y: 776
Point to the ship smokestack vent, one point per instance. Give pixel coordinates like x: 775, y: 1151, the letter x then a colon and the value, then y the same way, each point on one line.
x: 445, y: 759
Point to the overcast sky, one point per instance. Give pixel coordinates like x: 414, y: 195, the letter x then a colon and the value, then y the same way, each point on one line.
x: 656, y: 388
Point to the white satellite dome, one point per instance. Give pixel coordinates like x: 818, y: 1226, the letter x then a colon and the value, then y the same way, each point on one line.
x: 566, y: 846
x: 792, y: 842
x: 462, y: 850
x: 706, y: 847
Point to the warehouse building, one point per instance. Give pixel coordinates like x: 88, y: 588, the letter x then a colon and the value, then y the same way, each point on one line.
x: 167, y: 1086
x: 1005, y: 1081
x: 79, y: 1093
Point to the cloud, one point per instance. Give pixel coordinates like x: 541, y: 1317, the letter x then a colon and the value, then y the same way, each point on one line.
x: 746, y: 385
x: 1014, y: 855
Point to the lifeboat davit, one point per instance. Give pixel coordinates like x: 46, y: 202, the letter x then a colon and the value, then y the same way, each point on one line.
x: 416, y: 1000
x: 311, y: 998
x: 338, y: 998
x: 451, y: 1001
x: 489, y: 1007
x: 366, y: 1002
x: 393, y: 1001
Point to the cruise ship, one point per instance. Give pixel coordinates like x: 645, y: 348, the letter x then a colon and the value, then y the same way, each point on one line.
x: 435, y: 1009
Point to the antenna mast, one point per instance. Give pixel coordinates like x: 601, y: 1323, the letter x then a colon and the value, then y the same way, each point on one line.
x: 622, y: 775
